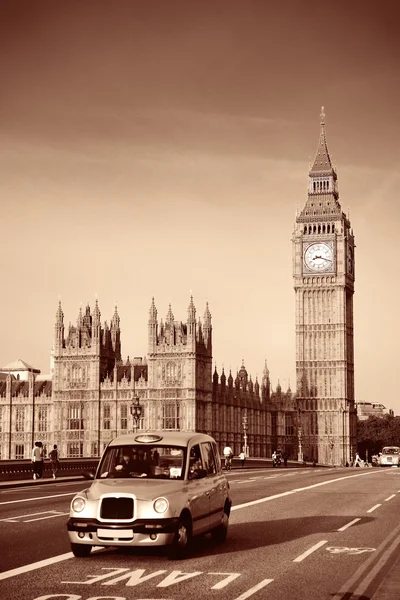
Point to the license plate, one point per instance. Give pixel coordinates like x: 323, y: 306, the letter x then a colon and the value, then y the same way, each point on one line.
x: 115, y: 534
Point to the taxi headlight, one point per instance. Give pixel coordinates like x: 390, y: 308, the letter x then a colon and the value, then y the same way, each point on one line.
x: 160, y: 505
x: 78, y: 504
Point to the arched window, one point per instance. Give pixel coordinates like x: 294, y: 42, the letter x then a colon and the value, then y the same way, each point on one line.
x: 315, y: 229
x: 328, y: 229
x: 309, y: 229
x: 323, y: 228
x: 305, y: 228
x: 319, y: 228
x: 333, y: 228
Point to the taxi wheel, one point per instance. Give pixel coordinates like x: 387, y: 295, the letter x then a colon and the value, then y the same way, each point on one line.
x: 182, y: 540
x: 219, y: 533
x: 81, y: 550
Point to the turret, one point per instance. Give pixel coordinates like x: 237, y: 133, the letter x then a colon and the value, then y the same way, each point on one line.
x: 215, y: 378
x: 243, y: 377
x: 152, y: 327
x: 207, y: 329
x: 116, y: 334
x: 59, y: 330
x: 96, y: 328
x: 191, y: 320
x: 223, y: 378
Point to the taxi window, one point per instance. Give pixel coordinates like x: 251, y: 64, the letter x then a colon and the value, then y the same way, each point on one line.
x: 209, y: 463
x: 217, y: 457
x: 195, y: 461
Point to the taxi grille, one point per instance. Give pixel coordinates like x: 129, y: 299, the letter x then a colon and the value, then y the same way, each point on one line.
x: 116, y: 508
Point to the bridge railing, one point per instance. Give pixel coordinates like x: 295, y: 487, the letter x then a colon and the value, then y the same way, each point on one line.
x: 23, y: 469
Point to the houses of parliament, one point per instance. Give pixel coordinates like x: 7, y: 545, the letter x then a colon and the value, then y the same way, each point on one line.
x: 86, y: 400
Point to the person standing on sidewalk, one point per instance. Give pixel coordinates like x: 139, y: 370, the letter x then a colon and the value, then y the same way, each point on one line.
x: 37, y: 460
x: 242, y: 457
x: 54, y: 460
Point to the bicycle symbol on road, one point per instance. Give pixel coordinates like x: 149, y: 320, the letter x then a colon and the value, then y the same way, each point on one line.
x: 351, y: 551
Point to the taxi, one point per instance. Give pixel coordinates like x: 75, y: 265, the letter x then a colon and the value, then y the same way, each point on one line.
x: 389, y: 457
x: 153, y: 488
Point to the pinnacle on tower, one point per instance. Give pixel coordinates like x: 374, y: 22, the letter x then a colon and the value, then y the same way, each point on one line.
x: 96, y: 312
x: 207, y: 314
x: 59, y: 314
x: 191, y: 311
x: 152, y: 312
x: 80, y: 318
x: 170, y: 317
x: 322, y: 162
x: 115, y: 319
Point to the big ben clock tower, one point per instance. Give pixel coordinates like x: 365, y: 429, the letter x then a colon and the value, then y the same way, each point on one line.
x: 323, y: 273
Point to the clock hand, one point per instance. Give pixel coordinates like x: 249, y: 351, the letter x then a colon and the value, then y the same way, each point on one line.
x: 323, y: 258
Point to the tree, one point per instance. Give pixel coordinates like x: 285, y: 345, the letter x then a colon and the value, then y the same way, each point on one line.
x: 375, y: 432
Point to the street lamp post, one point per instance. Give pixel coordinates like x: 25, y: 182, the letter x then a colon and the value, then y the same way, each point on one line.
x: 136, y: 412
x: 331, y: 445
x: 245, y: 450
x: 299, y: 434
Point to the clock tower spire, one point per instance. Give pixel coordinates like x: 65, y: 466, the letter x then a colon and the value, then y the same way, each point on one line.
x: 323, y: 274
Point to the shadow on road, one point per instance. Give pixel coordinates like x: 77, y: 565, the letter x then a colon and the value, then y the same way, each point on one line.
x: 257, y: 534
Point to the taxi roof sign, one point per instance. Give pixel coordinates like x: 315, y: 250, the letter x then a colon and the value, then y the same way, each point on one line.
x: 146, y: 438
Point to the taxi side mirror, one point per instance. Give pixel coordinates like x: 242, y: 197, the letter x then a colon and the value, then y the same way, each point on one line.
x: 88, y: 474
x: 198, y: 474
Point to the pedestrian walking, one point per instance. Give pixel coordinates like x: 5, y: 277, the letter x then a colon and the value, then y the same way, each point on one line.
x: 357, y: 462
x: 242, y: 457
x: 37, y: 460
x: 54, y: 457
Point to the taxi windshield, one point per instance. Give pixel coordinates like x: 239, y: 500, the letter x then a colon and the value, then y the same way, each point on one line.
x: 391, y: 450
x: 142, y: 460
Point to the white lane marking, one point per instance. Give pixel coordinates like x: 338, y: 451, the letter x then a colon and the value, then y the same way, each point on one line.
x: 346, y: 550
x: 49, y: 517
x: 40, y: 498
x: 368, y: 571
x: 349, y: 524
x: 37, y: 565
x: 373, y: 508
x: 254, y: 589
x: 310, y: 551
x: 290, y: 492
x: 390, y: 497
x: 45, y: 512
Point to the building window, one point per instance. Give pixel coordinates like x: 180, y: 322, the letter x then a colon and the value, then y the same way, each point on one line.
x: 42, y: 419
x: 274, y: 425
x: 124, y: 416
x: 107, y: 417
x: 75, y: 416
x: 20, y: 418
x: 19, y: 451
x: 93, y: 449
x: 74, y: 449
x: 170, y: 416
x: 288, y: 424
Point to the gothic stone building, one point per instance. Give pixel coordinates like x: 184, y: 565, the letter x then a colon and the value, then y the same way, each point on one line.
x: 87, y: 399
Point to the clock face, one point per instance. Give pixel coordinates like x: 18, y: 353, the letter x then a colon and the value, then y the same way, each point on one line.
x: 319, y: 257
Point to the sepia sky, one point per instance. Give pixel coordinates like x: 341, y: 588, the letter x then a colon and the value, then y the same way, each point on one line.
x: 158, y: 147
